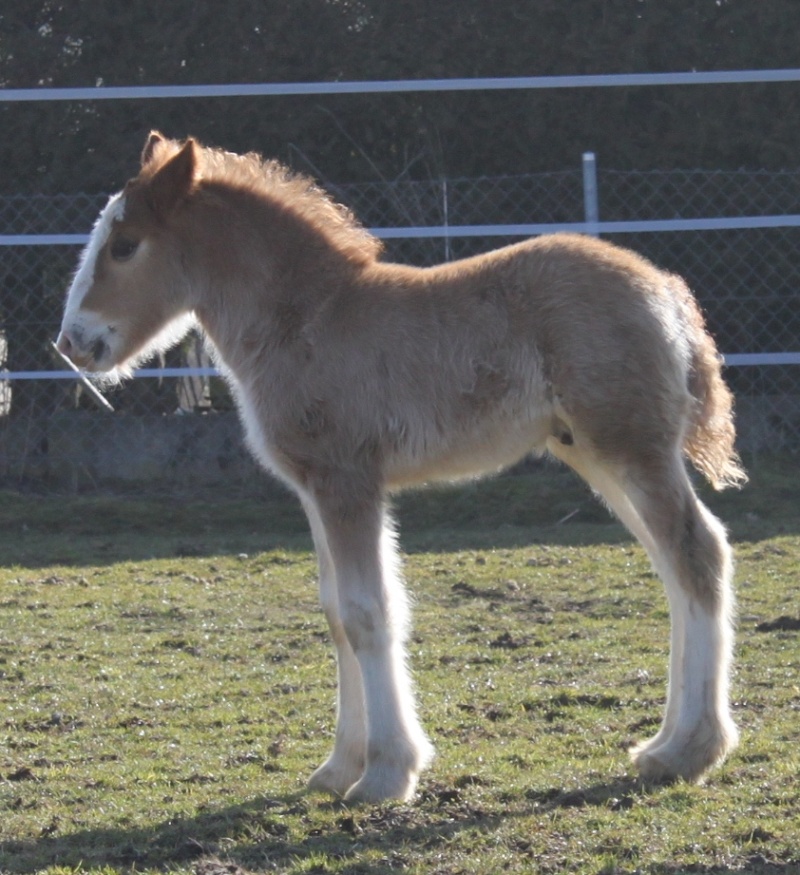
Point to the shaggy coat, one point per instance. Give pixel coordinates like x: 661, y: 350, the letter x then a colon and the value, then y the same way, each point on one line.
x: 355, y: 377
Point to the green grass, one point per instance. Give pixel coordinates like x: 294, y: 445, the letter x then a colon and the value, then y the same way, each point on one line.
x: 167, y: 685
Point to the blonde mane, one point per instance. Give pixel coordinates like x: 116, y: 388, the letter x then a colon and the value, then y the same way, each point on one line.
x: 289, y: 191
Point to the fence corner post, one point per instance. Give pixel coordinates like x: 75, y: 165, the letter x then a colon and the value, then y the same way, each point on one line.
x: 591, y: 209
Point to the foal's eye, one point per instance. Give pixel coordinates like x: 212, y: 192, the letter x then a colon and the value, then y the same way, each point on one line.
x: 123, y: 248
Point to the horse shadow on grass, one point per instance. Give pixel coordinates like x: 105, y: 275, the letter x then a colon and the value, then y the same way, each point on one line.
x: 253, y: 836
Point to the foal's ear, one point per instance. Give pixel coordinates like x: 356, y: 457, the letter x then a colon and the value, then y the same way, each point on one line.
x: 174, y: 181
x: 153, y: 141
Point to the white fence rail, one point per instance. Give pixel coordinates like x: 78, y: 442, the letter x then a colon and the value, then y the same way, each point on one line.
x: 400, y: 86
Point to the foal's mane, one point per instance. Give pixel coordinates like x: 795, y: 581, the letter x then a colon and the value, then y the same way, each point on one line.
x: 291, y: 192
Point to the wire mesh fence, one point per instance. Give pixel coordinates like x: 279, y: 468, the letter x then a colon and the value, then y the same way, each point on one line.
x: 747, y: 280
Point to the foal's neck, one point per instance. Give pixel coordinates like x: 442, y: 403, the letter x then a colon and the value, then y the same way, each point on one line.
x: 254, y: 261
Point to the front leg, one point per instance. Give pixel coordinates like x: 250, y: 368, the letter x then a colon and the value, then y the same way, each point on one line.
x: 374, y: 615
x: 346, y: 763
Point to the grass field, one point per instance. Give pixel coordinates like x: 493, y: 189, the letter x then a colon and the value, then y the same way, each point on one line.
x: 166, y: 687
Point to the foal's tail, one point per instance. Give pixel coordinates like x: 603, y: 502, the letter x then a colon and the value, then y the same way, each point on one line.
x: 710, y: 437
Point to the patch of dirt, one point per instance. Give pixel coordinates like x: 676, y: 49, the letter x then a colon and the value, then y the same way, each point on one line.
x: 780, y: 624
x: 616, y: 796
x: 212, y: 866
x: 506, y: 641
x: 21, y: 774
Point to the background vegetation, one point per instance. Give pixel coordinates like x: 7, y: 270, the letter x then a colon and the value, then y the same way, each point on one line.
x: 92, y: 146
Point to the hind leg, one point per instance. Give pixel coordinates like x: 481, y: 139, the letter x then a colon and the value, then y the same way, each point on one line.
x: 690, y: 552
x: 696, y: 565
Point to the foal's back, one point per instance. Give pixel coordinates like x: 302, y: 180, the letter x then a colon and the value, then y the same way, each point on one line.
x: 468, y: 366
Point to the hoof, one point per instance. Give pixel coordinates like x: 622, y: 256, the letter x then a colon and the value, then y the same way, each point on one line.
x: 377, y: 785
x: 334, y: 778
x: 651, y: 768
x: 686, y: 755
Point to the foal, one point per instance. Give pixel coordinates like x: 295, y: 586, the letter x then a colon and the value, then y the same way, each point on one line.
x: 355, y: 377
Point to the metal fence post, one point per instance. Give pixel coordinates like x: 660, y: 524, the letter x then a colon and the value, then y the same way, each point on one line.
x: 446, y: 210
x: 590, y: 206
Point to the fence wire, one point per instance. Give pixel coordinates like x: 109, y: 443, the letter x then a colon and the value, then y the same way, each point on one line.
x: 748, y: 282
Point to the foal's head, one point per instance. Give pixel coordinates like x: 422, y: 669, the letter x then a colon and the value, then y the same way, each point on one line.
x: 129, y: 296
x: 160, y: 240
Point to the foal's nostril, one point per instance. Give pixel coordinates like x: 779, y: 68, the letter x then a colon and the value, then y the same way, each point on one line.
x: 99, y: 349
x: 64, y: 344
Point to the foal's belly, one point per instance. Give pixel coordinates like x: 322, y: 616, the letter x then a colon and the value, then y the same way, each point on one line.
x: 473, y: 455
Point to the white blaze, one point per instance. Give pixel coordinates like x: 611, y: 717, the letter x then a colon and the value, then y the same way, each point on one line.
x: 113, y: 212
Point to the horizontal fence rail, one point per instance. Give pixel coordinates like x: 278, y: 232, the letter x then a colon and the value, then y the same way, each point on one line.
x: 739, y: 360
x: 400, y: 86
x: 528, y: 229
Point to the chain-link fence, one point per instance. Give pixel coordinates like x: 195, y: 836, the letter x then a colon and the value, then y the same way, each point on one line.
x: 748, y: 281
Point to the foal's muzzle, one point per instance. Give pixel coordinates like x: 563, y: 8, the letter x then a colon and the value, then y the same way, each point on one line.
x: 85, y: 354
